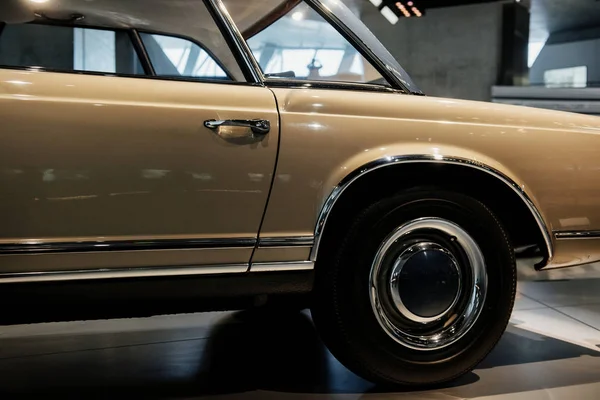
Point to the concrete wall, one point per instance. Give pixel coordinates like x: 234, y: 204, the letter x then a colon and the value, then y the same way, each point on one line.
x: 565, y: 55
x: 451, y: 52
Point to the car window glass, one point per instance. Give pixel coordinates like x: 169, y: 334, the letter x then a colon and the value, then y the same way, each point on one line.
x: 68, y: 49
x: 173, y: 56
x: 301, y: 44
x: 100, y: 36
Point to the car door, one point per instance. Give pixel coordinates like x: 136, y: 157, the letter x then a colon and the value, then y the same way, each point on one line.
x: 129, y: 142
x: 321, y: 79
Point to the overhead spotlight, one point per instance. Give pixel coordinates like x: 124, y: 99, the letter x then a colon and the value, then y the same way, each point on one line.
x: 297, y: 16
x: 416, y: 11
x: 389, y: 15
x: 376, y: 3
x: 402, y: 9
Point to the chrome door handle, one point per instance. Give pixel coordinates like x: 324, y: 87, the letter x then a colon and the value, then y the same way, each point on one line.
x: 257, y: 126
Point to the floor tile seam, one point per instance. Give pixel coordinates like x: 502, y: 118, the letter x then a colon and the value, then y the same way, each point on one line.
x: 551, y: 306
x: 575, y: 319
x: 559, y: 311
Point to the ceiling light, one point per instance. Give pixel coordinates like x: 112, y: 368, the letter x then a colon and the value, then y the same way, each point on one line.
x: 376, y: 3
x: 389, y: 15
x: 38, y: 1
x: 416, y: 11
x: 403, y: 9
x: 298, y: 16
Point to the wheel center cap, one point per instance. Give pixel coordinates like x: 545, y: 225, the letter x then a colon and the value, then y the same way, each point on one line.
x: 425, y: 282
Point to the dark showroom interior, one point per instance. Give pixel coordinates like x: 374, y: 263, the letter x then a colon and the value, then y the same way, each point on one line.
x: 300, y: 199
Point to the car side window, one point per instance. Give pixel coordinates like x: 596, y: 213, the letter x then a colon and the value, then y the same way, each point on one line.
x: 63, y: 48
x: 152, y: 38
x: 173, y: 57
x: 299, y: 43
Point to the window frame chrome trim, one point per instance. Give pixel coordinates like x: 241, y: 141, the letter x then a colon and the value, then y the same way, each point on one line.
x: 234, y: 38
x: 386, y: 71
x: 140, y: 49
x: 288, y: 83
x: 337, y: 191
x: 215, y: 59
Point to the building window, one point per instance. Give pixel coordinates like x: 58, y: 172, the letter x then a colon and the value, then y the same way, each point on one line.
x: 573, y: 77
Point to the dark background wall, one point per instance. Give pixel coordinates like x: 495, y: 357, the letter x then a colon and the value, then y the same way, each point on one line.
x: 451, y: 52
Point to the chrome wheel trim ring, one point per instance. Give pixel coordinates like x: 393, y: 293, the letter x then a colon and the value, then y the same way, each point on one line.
x: 455, y: 321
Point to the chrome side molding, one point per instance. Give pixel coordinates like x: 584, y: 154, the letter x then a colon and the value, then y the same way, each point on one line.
x: 282, y: 266
x: 428, y: 158
x: 101, y: 244
x: 154, y: 272
x: 53, y: 276
x: 566, y: 235
x: 136, y: 243
x: 291, y: 241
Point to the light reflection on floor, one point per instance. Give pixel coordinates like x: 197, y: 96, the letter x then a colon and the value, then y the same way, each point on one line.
x: 549, y: 351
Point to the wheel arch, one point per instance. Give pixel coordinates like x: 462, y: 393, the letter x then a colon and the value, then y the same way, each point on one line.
x: 369, y: 181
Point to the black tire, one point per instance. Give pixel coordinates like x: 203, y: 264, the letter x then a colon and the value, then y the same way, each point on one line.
x: 342, y: 310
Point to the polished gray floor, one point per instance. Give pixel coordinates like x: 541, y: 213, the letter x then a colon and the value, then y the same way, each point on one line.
x: 550, y: 351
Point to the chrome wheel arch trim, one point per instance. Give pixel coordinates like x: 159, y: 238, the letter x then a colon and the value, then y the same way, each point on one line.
x: 337, y: 191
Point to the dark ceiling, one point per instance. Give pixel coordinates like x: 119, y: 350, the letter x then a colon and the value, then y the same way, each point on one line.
x: 439, y: 3
x: 547, y: 16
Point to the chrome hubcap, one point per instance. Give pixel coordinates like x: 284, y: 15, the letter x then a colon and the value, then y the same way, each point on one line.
x: 428, y: 283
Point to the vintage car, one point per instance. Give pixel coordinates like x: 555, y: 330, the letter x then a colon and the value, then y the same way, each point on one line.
x: 168, y: 156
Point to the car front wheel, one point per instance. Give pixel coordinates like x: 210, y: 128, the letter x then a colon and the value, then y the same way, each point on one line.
x: 420, y: 290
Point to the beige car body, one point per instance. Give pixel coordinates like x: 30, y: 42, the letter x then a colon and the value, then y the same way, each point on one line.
x: 96, y: 163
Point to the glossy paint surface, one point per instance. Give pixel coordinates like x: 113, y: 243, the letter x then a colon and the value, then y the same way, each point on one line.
x: 92, y: 157
x: 328, y: 134
x: 89, y: 157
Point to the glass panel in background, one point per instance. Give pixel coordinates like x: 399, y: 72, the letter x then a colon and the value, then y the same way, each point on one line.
x: 177, y: 57
x: 573, y: 77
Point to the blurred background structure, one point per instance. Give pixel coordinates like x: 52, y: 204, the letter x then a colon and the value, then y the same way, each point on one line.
x: 541, y: 53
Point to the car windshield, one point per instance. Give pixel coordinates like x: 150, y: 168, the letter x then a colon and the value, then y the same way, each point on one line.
x: 290, y: 40
x: 354, y: 24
